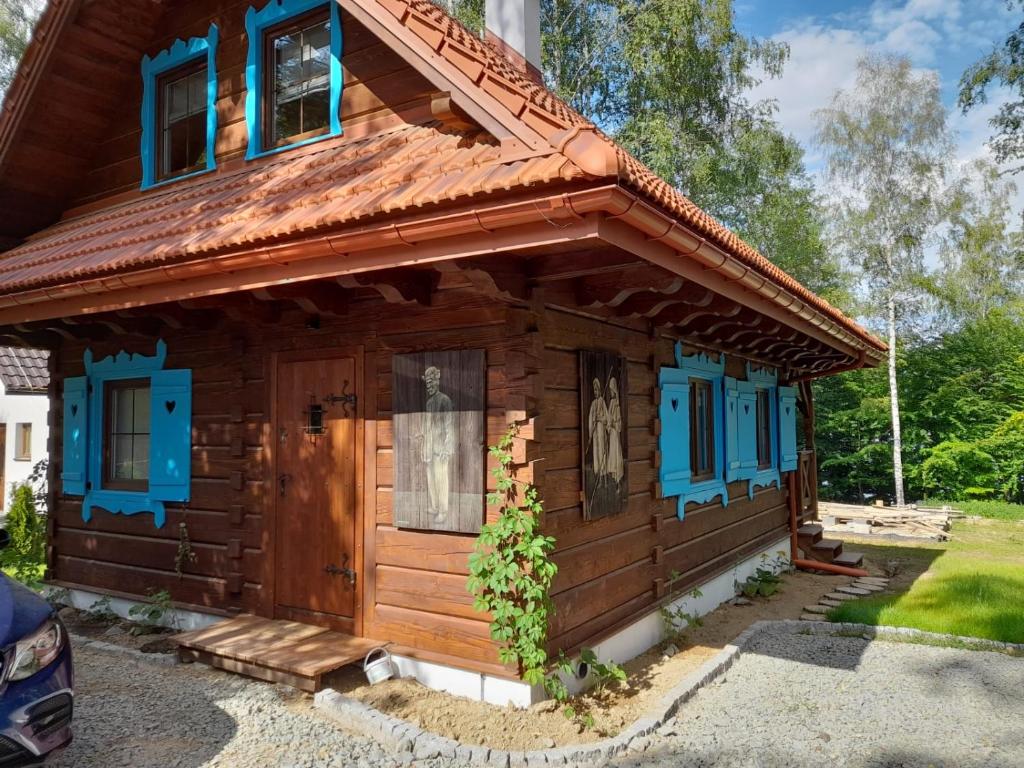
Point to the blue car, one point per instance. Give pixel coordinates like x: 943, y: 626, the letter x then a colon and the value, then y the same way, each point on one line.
x: 36, y: 680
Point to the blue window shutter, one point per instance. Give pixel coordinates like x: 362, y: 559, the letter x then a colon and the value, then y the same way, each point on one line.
x: 747, y: 419
x: 674, y: 441
x: 170, y: 469
x: 732, y: 429
x: 740, y: 430
x: 76, y: 435
x: 787, y: 429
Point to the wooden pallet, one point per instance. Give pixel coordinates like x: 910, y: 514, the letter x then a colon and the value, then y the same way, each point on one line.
x: 906, y: 521
x: 287, y: 652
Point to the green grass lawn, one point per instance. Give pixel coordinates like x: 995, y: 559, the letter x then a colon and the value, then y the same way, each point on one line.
x: 972, y: 585
x: 994, y: 510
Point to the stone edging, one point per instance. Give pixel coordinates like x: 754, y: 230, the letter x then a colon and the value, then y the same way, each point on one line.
x: 873, y: 632
x: 406, y: 739
x: 133, y: 654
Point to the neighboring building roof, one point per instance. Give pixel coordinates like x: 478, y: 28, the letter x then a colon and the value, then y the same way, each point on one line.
x: 24, y: 370
x: 346, y: 180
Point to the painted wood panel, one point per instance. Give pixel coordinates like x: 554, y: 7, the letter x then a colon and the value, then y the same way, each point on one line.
x: 438, y: 422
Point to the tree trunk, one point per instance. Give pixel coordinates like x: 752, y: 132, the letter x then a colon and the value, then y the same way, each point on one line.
x: 894, y: 397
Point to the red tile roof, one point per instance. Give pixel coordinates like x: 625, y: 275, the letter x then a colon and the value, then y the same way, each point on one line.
x: 346, y: 180
x: 337, y: 183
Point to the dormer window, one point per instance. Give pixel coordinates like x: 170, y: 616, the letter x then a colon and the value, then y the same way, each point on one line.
x: 183, y: 112
x: 293, y: 74
x: 179, y: 112
x: 298, y: 77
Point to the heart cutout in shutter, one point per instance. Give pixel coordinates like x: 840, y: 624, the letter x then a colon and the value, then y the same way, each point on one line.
x: 170, y: 405
x: 675, y: 403
x: 787, y: 410
x: 74, y: 409
x: 746, y: 409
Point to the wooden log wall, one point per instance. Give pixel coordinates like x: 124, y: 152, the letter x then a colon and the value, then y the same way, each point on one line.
x: 414, y: 582
x: 380, y: 89
x: 614, y: 570
x: 223, y: 519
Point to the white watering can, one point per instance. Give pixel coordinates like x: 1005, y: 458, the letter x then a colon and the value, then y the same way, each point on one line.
x: 378, y: 666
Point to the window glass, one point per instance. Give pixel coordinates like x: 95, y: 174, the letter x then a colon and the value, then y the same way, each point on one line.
x: 23, y: 442
x: 299, y: 82
x: 764, y: 430
x: 702, y: 430
x: 128, y: 434
x: 183, y: 109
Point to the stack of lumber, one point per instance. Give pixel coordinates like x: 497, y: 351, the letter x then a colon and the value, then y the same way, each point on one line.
x: 917, y: 522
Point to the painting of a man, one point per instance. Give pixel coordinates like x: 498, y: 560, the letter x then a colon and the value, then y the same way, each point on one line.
x: 438, y: 444
x: 439, y: 454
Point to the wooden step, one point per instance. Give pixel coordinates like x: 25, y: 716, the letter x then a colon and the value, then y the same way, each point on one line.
x: 277, y: 651
x: 849, y: 559
x: 826, y: 550
x: 809, y: 534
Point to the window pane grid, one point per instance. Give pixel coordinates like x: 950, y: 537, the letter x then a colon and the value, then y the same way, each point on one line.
x: 702, y: 430
x: 183, y: 123
x: 301, y: 82
x: 128, y: 436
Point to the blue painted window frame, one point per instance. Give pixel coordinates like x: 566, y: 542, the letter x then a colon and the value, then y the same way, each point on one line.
x: 674, y: 472
x: 178, y: 55
x: 256, y: 24
x: 170, y: 435
x: 768, y: 379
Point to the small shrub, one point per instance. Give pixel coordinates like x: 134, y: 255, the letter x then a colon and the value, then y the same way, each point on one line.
x: 149, y: 616
x: 24, y: 557
x: 100, y: 612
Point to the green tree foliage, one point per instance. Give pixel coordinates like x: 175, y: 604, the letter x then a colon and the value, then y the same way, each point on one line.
x: 16, y: 20
x: 24, y: 556
x: 670, y: 80
x: 1003, y: 66
x: 982, y: 258
x: 963, y: 415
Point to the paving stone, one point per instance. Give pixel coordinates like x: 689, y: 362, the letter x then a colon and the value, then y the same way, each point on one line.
x: 840, y: 596
x: 870, y: 587
x: 812, y: 617
x: 817, y: 609
x: 853, y: 591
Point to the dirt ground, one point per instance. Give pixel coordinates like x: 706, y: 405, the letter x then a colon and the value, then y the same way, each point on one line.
x: 118, y: 632
x: 651, y: 676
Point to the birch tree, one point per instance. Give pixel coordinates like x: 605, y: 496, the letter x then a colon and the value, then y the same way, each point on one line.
x: 887, y: 153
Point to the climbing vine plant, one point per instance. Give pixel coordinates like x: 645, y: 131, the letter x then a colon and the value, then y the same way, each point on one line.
x: 511, y: 570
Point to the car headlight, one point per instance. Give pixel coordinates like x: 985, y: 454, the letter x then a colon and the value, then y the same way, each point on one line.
x: 36, y: 651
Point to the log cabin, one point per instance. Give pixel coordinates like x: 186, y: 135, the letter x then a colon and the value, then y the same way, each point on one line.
x: 298, y: 263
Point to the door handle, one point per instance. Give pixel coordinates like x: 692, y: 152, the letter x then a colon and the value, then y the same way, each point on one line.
x: 283, y: 482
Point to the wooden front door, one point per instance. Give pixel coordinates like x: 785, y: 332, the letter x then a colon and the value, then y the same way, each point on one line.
x: 317, y: 489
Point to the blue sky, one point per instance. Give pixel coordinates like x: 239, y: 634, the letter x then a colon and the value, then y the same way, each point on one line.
x: 828, y: 36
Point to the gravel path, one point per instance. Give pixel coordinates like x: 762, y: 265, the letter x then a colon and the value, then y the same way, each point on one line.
x: 801, y: 700
x: 144, y: 715
x: 791, y: 700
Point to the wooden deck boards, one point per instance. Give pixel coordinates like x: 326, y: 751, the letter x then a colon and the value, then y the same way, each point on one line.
x: 281, y: 651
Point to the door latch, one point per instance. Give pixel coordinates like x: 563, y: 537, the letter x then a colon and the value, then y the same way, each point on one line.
x: 348, y: 573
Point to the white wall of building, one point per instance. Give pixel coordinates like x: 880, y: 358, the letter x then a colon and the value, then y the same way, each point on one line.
x: 19, y: 409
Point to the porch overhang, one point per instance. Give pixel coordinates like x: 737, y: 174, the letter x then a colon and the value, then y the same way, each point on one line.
x: 748, y: 305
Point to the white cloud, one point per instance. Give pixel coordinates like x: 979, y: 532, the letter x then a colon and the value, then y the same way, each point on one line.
x: 824, y: 53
